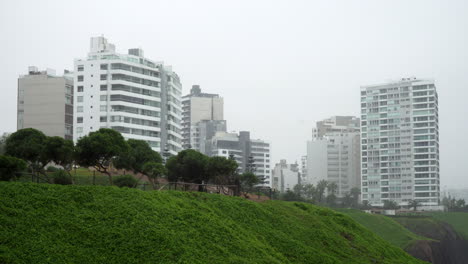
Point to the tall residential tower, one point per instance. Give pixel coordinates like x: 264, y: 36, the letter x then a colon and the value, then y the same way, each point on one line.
x: 400, y: 142
x: 129, y: 93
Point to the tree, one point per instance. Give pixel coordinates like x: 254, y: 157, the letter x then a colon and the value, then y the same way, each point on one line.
x: 320, y: 190
x: 348, y: 200
x: 27, y: 144
x: 221, y: 170
x: 414, y: 204
x: 390, y: 204
x: 99, y: 148
x: 154, y: 170
x: 10, y: 166
x: 3, y: 139
x: 247, y: 181
x: 137, y: 155
x: 331, y: 199
x: 310, y: 192
x: 290, y: 196
x: 366, y: 205
x: 460, y: 204
x: 299, y: 190
x: 60, y: 151
x: 332, y: 187
x: 355, y: 192
x: 188, y: 165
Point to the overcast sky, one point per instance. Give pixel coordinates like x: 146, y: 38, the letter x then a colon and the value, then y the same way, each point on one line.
x: 280, y: 65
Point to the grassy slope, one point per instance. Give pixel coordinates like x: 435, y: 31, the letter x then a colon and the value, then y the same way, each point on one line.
x: 42, y: 223
x: 385, y: 227
x: 458, y: 220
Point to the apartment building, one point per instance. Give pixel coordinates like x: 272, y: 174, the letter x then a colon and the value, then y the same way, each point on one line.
x: 400, y: 142
x: 285, y: 176
x: 45, y: 102
x: 333, y: 154
x: 198, y: 109
x: 249, y: 153
x: 129, y: 93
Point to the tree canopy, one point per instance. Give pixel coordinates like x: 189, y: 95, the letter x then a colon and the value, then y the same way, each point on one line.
x: 99, y: 148
x: 9, y: 166
x: 188, y: 165
x: 137, y: 155
x: 27, y: 144
x: 221, y: 170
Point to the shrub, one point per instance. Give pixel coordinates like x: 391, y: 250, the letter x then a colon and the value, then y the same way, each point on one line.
x: 125, y: 181
x: 10, y: 167
x: 52, y: 169
x: 62, y: 177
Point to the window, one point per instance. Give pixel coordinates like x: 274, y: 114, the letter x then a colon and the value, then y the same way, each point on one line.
x: 103, y: 77
x: 104, y: 66
x: 79, y: 119
x: 68, y: 99
x: 80, y: 89
x: 103, y: 97
x: 80, y: 78
x: 80, y: 68
x: 103, y: 119
x: 104, y: 87
x: 103, y: 108
x: 79, y: 109
x: 79, y: 130
x: 79, y: 99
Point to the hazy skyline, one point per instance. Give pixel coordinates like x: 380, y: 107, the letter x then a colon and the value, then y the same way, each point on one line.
x: 280, y: 65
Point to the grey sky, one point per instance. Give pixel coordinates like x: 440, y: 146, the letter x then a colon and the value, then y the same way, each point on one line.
x: 280, y: 65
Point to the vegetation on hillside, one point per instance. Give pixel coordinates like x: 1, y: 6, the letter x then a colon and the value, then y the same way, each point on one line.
x: 45, y: 223
x: 385, y: 227
x: 458, y: 220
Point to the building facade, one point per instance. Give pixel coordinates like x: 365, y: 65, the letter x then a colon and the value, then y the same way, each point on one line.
x: 333, y: 154
x: 45, y: 102
x: 129, y: 93
x: 250, y: 154
x: 400, y: 142
x: 197, y: 108
x: 285, y: 176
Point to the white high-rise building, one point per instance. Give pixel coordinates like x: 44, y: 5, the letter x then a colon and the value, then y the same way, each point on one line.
x: 136, y: 96
x: 333, y: 154
x: 400, y: 142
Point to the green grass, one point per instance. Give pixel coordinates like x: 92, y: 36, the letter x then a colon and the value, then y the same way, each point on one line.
x: 44, y: 223
x: 385, y: 227
x: 458, y: 220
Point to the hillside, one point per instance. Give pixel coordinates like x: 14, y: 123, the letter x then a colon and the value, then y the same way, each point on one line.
x: 458, y: 220
x: 385, y: 227
x: 43, y: 223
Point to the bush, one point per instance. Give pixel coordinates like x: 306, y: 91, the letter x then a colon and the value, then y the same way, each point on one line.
x: 10, y: 167
x: 125, y: 181
x: 62, y: 177
x: 52, y: 169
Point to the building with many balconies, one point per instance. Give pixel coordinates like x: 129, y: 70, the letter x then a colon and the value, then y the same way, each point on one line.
x: 400, y: 142
x: 129, y: 93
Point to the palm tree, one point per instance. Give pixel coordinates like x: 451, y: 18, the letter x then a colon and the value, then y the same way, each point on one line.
x: 320, y: 189
x: 355, y: 192
x: 414, y: 204
x: 332, y: 187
